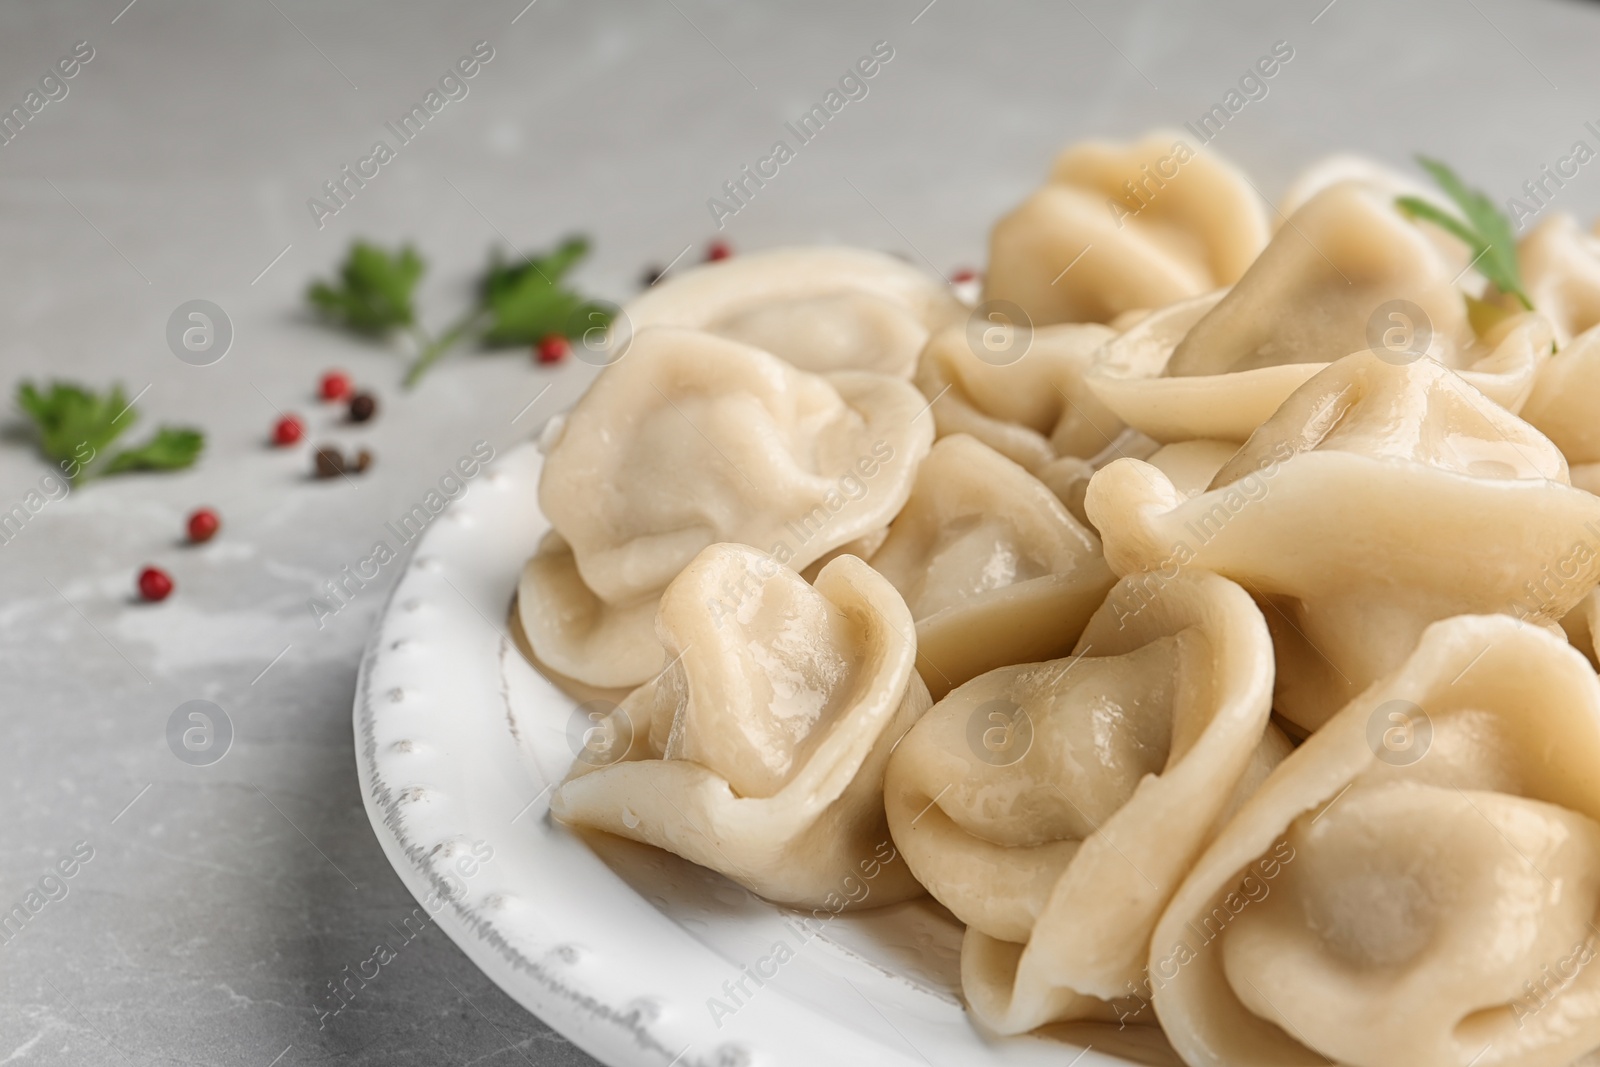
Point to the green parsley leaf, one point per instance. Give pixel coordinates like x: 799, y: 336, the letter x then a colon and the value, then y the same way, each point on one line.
x: 1486, y: 231
x: 76, y: 425
x: 172, y: 448
x: 526, y: 301
x: 373, y: 293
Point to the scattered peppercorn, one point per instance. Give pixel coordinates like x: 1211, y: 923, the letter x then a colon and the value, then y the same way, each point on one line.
x: 362, y: 407
x: 965, y: 274
x: 718, y: 250
x: 363, y: 460
x: 288, y: 430
x: 154, y: 584
x: 552, y: 348
x: 203, y: 525
x: 652, y: 274
x: 330, y: 462
x: 335, y: 385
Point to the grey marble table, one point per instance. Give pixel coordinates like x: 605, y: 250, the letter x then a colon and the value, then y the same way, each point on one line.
x: 218, y: 902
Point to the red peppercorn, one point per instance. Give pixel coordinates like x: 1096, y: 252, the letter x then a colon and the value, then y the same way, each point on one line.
x: 552, y: 348
x: 965, y: 274
x: 335, y: 385
x: 718, y: 250
x: 288, y: 430
x: 203, y: 525
x: 154, y: 583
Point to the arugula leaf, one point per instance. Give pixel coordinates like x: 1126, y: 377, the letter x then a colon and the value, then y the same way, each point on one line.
x: 76, y: 425
x: 373, y: 293
x: 526, y: 302
x: 1486, y: 231
x: 172, y: 448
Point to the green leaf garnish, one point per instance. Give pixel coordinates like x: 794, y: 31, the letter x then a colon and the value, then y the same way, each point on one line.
x: 1486, y: 231
x: 76, y: 425
x: 518, y: 303
x: 172, y: 448
x: 373, y: 293
x: 526, y: 301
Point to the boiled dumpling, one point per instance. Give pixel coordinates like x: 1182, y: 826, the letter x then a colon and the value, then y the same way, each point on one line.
x: 760, y: 751
x: 1020, y: 391
x: 688, y: 440
x: 822, y: 309
x: 1154, y: 221
x: 1055, y: 807
x: 1561, y: 272
x: 1565, y: 405
x: 1378, y: 499
x: 1416, y: 885
x: 1346, y: 273
x: 992, y: 566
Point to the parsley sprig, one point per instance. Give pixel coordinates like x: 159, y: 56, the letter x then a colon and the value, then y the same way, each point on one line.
x: 76, y: 426
x: 1485, y: 230
x: 517, y: 303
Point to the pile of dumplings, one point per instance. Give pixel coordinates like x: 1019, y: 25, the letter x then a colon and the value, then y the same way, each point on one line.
x: 1209, y: 627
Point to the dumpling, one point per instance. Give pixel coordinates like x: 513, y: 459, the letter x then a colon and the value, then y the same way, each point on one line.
x: 1154, y: 220
x: 1346, y: 273
x: 760, y: 751
x: 1416, y: 885
x: 992, y: 566
x: 1378, y: 499
x: 689, y: 440
x: 1022, y: 393
x: 1561, y: 272
x: 1055, y: 807
x: 1565, y: 406
x: 822, y: 309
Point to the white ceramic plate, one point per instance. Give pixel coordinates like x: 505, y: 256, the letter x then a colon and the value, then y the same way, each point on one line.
x: 625, y: 950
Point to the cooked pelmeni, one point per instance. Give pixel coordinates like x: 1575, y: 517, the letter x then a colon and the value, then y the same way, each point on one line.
x: 1565, y: 400
x: 1561, y: 273
x: 1582, y: 626
x: 1055, y: 807
x: 1068, y: 477
x: 1341, y: 168
x: 993, y: 567
x: 1416, y: 885
x: 1191, y: 465
x: 693, y: 439
x: 1154, y: 221
x: 1022, y: 392
x: 822, y: 309
x: 1349, y: 273
x: 760, y: 751
x: 1378, y: 499
x: 575, y: 633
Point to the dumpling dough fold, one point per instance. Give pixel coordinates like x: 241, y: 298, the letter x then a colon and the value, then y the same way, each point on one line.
x: 822, y: 309
x: 1055, y: 807
x: 1032, y: 409
x: 1416, y: 885
x: 993, y: 567
x: 1378, y: 499
x: 760, y: 751
x: 689, y: 440
x: 1160, y: 222
x: 1561, y: 273
x: 1218, y: 365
